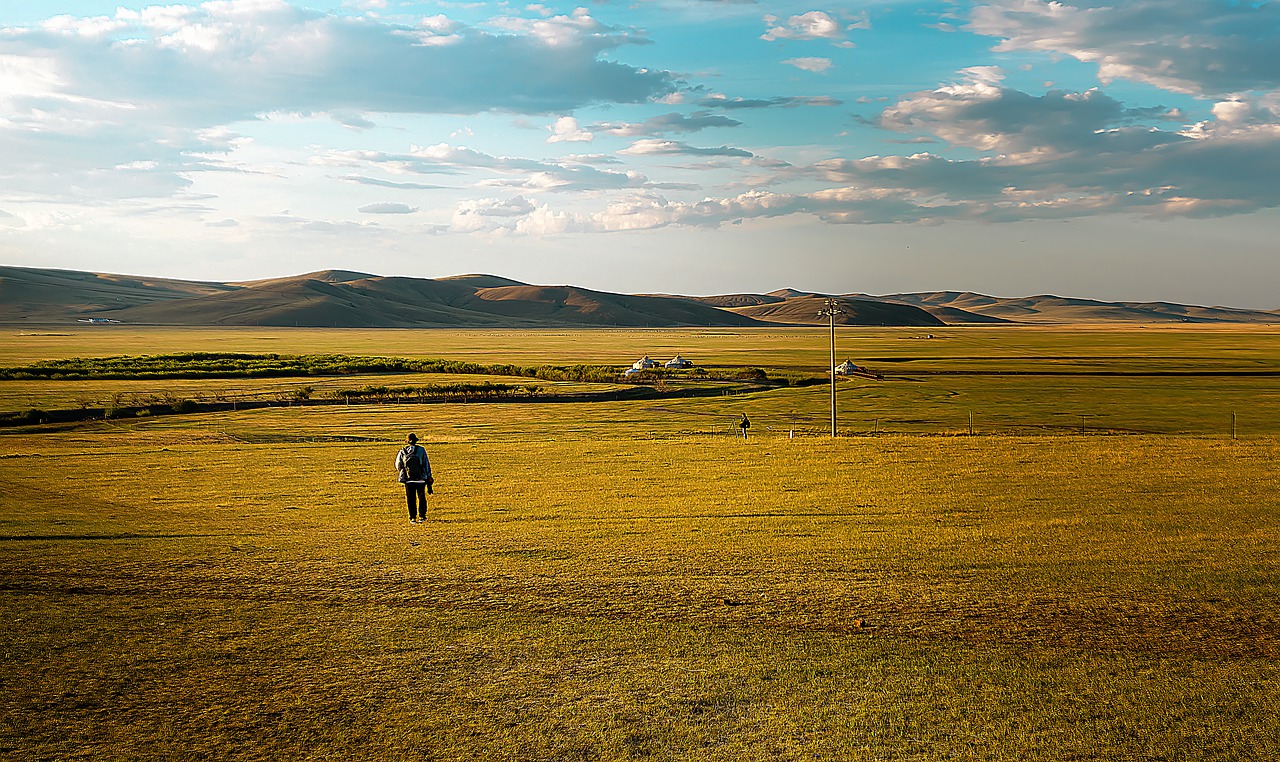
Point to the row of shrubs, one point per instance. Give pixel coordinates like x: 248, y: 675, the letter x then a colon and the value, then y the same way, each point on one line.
x: 230, y: 365
x: 36, y: 415
x: 155, y: 404
x: 484, y: 390
x: 223, y: 365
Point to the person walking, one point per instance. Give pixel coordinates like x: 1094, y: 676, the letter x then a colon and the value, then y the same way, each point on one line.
x: 414, y: 472
x: 744, y: 424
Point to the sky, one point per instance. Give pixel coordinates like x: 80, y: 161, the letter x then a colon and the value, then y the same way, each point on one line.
x: 1115, y: 150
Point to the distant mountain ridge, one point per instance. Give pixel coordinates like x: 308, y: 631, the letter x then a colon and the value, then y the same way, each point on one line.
x: 335, y: 298
x: 1055, y: 309
x: 347, y: 299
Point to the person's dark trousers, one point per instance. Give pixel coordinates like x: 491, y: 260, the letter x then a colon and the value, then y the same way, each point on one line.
x: 416, y: 493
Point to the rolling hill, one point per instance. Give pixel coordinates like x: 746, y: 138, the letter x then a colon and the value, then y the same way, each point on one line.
x: 1056, y: 309
x: 346, y: 299
x: 337, y: 299
x: 29, y: 294
x: 803, y: 310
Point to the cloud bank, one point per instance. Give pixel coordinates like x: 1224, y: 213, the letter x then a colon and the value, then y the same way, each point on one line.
x: 103, y: 108
x: 98, y: 113
x: 1208, y: 48
x: 248, y: 57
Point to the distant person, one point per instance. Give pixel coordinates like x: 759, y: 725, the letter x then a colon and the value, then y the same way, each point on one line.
x: 744, y: 424
x: 414, y: 470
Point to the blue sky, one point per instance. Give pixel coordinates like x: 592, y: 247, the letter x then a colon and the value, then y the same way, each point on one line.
x: 1012, y: 147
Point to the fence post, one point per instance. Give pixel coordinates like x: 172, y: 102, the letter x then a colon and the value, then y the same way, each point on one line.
x: 970, y: 423
x: 1233, y: 424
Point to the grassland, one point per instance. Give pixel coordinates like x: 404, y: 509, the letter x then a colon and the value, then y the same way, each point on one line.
x: 1189, y: 380
x: 628, y: 580
x: 1217, y: 346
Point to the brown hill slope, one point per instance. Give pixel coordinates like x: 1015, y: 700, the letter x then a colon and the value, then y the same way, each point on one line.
x: 348, y: 299
x: 571, y: 304
x: 31, y: 294
x: 803, y: 310
x: 302, y: 302
x: 739, y: 300
x: 1056, y: 309
x: 328, y: 276
x: 950, y: 315
x: 343, y: 298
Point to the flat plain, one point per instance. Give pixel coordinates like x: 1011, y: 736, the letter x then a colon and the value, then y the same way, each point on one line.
x: 1091, y: 575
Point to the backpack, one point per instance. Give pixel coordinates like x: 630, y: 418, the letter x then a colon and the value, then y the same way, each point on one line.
x: 412, y: 464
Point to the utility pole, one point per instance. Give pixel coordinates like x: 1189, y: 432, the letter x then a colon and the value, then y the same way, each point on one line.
x: 831, y: 308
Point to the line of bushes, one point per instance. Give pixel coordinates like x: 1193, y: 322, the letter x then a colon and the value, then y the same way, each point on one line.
x: 225, y: 365
x: 486, y: 390
x: 652, y: 375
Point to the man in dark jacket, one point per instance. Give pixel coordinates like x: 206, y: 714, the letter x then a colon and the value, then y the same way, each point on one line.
x: 414, y: 472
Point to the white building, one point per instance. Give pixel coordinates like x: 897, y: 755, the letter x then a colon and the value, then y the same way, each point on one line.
x: 644, y: 363
x: 847, y: 367
x: 677, y: 362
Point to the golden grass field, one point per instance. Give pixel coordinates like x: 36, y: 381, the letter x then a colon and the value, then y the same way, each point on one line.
x: 630, y: 580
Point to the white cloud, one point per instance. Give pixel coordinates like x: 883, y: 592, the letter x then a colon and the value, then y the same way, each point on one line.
x: 380, y: 183
x: 353, y: 121
x: 1242, y: 114
x: 566, y: 130
x: 246, y: 58
x: 658, y: 147
x: 569, y: 31
x: 287, y: 220
x: 103, y: 108
x: 544, y: 222
x: 673, y: 122
x: 1061, y: 155
x: 488, y: 215
x: 983, y: 75
x: 33, y: 77
x: 573, y: 174
x: 591, y: 158
x: 515, y: 216
x: 816, y: 65
x: 1020, y: 126
x: 1186, y: 46
x: 719, y: 100
x: 814, y: 25
x: 515, y: 206
x: 387, y: 207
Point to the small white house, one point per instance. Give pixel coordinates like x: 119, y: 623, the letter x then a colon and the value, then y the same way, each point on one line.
x: 677, y: 362
x: 847, y: 367
x: 644, y: 363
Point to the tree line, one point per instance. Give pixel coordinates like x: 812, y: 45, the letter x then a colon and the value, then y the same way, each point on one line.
x: 227, y: 365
